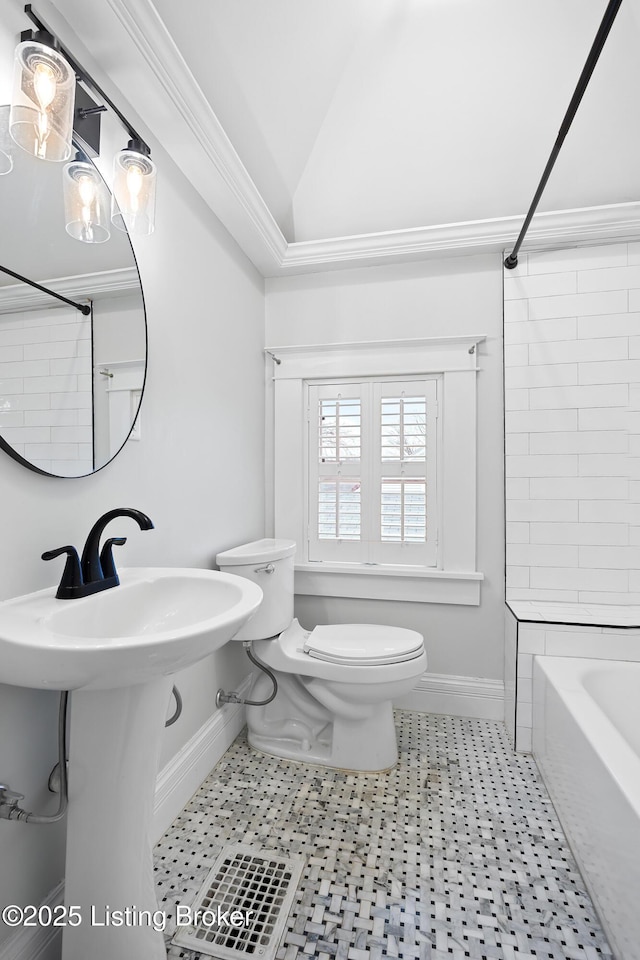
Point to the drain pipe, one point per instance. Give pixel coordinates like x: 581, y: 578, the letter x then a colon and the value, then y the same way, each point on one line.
x: 596, y: 49
x: 9, y: 809
x: 233, y: 697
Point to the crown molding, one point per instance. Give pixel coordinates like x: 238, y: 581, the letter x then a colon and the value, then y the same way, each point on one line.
x: 160, y: 87
x: 17, y: 297
x: 251, y: 220
x: 557, y: 228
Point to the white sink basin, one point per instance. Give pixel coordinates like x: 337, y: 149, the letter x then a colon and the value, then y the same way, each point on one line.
x: 115, y: 651
x: 158, y: 621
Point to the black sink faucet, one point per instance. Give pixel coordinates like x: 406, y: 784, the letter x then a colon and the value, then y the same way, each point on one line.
x: 96, y: 570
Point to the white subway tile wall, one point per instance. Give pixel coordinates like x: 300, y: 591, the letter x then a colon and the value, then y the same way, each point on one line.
x: 550, y: 639
x: 572, y: 391
x: 45, y: 388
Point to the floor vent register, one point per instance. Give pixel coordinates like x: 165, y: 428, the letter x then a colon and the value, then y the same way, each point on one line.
x: 242, y: 907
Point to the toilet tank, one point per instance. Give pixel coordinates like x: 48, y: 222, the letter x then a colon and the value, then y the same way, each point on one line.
x: 269, y: 563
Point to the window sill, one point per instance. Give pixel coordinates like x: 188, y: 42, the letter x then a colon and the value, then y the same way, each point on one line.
x: 415, y: 584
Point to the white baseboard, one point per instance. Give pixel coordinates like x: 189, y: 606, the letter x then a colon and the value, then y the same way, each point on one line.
x: 456, y: 696
x: 180, y: 778
x: 36, y: 943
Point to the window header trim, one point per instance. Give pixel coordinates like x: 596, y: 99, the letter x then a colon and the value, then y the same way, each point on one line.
x: 373, y: 358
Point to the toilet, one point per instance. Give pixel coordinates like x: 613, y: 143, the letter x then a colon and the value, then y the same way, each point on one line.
x: 336, y: 684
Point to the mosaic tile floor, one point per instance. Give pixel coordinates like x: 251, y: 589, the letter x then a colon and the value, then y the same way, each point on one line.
x: 455, y: 853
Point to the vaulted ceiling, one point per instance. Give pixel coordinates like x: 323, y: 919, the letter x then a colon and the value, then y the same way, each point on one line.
x: 318, y: 129
x: 358, y: 116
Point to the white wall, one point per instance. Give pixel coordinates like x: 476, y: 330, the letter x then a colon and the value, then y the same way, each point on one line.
x: 198, y: 472
x: 572, y: 377
x: 418, y: 300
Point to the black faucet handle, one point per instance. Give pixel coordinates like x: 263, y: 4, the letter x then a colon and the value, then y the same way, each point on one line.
x: 71, y: 575
x: 106, y: 557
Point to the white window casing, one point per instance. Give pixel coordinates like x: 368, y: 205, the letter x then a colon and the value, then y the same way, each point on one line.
x: 346, y: 546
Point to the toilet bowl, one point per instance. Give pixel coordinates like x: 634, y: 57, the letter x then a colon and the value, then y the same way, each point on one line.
x: 336, y: 683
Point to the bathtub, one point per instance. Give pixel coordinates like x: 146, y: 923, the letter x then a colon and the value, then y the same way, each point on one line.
x: 586, y: 742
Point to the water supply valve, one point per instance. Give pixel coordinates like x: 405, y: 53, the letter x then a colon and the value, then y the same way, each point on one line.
x: 9, y: 800
x: 222, y: 697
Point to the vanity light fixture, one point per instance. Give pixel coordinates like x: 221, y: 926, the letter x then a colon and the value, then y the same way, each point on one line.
x: 86, y: 201
x: 133, y: 200
x: 52, y: 87
x: 43, y: 98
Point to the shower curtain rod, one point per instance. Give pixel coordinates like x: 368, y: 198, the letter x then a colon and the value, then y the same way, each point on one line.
x: 84, y: 308
x: 603, y: 32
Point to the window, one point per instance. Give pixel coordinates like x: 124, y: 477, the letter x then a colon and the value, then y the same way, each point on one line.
x: 373, y: 454
x: 371, y: 473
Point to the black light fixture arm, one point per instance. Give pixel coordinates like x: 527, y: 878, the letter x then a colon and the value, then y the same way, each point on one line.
x: 596, y: 49
x: 87, y: 79
x: 84, y: 308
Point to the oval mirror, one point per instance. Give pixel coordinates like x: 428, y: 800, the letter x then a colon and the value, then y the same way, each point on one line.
x: 70, y: 385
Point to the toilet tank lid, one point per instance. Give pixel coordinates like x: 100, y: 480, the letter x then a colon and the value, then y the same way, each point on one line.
x: 258, y: 551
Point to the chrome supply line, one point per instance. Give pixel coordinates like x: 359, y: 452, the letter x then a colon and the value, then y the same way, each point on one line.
x: 233, y: 697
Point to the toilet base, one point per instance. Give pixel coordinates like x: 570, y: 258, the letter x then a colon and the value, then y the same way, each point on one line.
x: 311, y: 762
x: 366, y: 744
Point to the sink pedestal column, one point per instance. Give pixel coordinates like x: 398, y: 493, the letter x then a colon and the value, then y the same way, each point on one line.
x: 113, y: 762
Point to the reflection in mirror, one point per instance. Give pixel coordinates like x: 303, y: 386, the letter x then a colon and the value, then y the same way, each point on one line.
x: 70, y: 385
x: 6, y: 146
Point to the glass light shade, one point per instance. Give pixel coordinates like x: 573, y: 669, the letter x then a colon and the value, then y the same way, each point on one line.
x: 6, y: 160
x: 133, y: 206
x: 44, y: 88
x: 86, y: 203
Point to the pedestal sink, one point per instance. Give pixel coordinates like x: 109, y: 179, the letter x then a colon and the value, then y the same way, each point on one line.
x: 116, y: 651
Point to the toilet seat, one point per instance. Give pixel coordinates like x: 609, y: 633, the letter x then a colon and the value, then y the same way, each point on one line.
x: 286, y: 653
x: 363, y: 644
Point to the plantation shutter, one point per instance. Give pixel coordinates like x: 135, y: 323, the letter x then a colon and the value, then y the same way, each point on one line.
x: 335, y: 475
x: 403, y: 472
x: 372, y: 472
